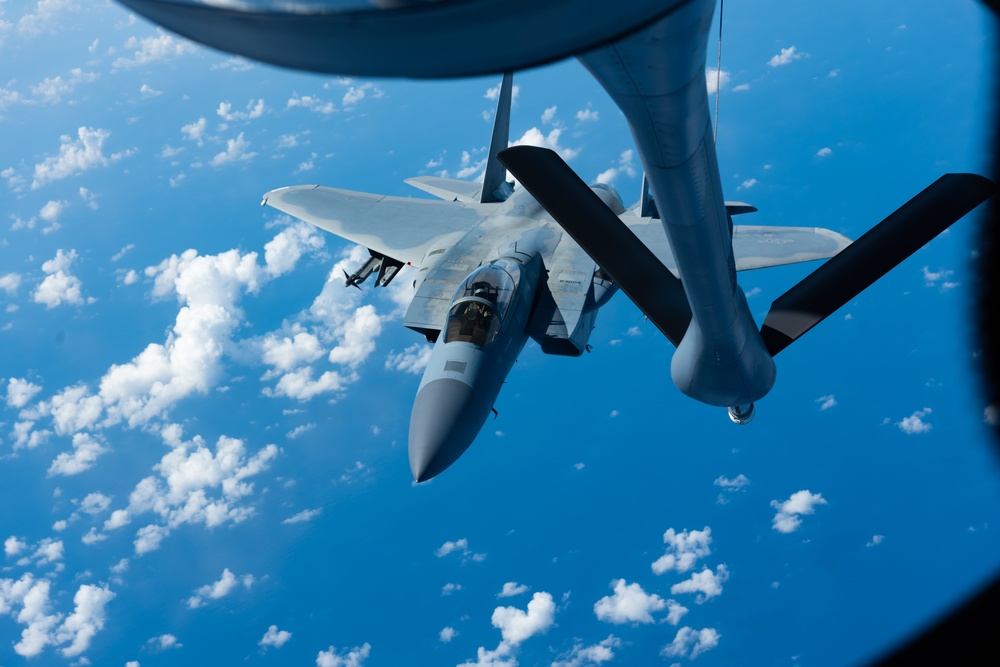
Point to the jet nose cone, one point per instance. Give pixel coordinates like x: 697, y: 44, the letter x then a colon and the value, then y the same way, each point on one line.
x: 443, y: 424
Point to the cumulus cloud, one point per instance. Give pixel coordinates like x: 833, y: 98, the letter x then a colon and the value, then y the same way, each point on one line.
x: 274, y: 637
x: 735, y: 484
x: 45, y: 17
x: 219, y: 589
x: 76, y: 156
x: 9, y: 283
x: 255, y: 109
x: 941, y: 276
x: 357, y: 93
x: 716, y: 80
x: 583, y: 656
x: 311, y: 103
x: 586, y: 115
x: 195, y: 486
x: 790, y: 512
x: 629, y: 604
x: 283, y: 252
x: 535, y: 137
x: 512, y: 588
x: 683, y: 550
x: 875, y: 541
x: 447, y: 634
x: 460, y: 547
x: 236, y: 151
x: 20, y: 391
x: 354, y: 657
x: 52, y: 89
x: 785, y: 57
x: 915, y: 423
x: 826, y: 151
x: 516, y: 625
x: 86, y: 450
x: 27, y: 600
x: 411, y: 360
x: 59, y: 285
x: 153, y: 49
x: 706, y: 584
x: 691, y: 643
x: 194, y: 132
x: 626, y: 165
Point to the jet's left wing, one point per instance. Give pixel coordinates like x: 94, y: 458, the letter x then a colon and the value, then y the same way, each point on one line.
x: 398, y: 227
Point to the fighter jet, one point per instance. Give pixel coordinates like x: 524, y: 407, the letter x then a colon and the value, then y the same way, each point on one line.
x: 495, y: 269
x: 497, y: 265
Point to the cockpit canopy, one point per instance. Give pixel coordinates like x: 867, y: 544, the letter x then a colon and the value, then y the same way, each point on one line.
x: 481, y: 302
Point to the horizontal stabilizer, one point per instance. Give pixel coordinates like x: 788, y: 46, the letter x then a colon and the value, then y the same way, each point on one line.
x: 449, y: 189
x: 870, y: 257
x: 608, y: 241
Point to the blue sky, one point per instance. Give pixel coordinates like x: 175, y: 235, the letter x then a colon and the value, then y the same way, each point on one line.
x: 203, y: 443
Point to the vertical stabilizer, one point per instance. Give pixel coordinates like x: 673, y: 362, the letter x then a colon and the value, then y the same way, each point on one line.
x: 495, y: 186
x: 647, y: 207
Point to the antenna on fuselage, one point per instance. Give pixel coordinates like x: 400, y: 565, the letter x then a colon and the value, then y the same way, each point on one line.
x: 495, y: 185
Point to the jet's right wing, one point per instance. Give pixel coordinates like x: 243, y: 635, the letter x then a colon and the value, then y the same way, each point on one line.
x: 398, y: 227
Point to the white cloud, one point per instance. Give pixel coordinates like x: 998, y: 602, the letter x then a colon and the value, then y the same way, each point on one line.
x: 354, y: 658
x: 283, y: 252
x: 447, y: 634
x: 59, y: 285
x: 875, y: 541
x: 683, y: 550
x: 153, y: 49
x: 586, y: 115
x: 516, y: 626
x: 255, y: 109
x: 826, y: 151
x: 194, y: 486
x: 706, y: 584
x: 461, y: 547
x: 826, y: 402
x: 12, y: 546
x: 450, y: 588
x: 785, y: 57
x: 86, y: 450
x: 549, y: 114
x: 411, y: 360
x: 285, y: 353
x: 355, y: 94
x: 788, y: 519
x: 236, y: 151
x: 629, y: 604
x: 219, y: 589
x: 595, y: 654
x: 299, y: 431
x: 163, y: 642
x: 9, y: 283
x: 44, y: 628
x: 87, y: 619
x: 312, y: 104
x: 915, y: 423
x: 493, y: 94
x: 303, y: 516
x: 75, y: 157
x: 691, y: 643
x: 716, y: 80
x: 747, y: 184
x: 675, y: 612
x: 46, y: 16
x: 52, y: 90
x: 535, y: 137
x: 735, y: 484
x: 512, y: 588
x: 20, y: 391
x: 274, y: 637
x: 194, y: 132
x: 626, y: 165
x: 943, y: 276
